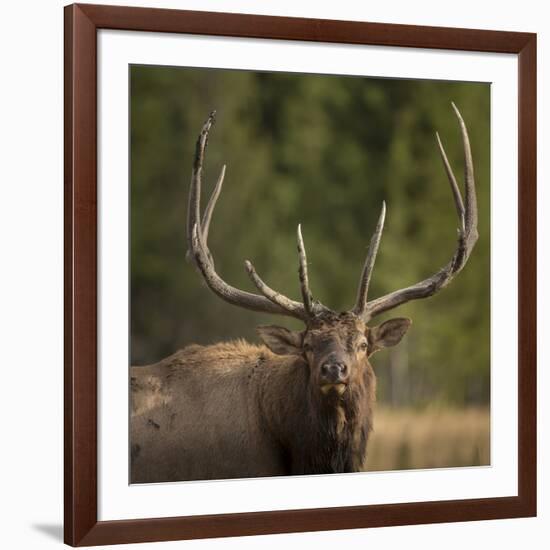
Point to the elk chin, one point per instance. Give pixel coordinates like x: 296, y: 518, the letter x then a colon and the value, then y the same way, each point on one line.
x: 339, y: 388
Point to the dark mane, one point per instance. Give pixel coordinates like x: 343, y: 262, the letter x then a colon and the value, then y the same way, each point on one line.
x: 319, y: 435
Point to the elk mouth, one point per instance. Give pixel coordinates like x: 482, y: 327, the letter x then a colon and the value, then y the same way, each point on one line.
x: 339, y: 388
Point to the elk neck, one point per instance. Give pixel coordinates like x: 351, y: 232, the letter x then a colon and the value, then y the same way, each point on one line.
x: 317, y: 433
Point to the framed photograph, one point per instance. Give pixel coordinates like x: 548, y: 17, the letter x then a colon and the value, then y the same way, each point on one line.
x: 300, y: 284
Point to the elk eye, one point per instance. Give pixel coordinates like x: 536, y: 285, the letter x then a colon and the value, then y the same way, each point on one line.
x: 363, y: 346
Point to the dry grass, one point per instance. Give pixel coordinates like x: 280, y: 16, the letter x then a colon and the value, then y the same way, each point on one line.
x: 432, y: 438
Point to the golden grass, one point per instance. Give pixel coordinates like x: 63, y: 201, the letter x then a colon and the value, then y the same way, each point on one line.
x: 432, y: 438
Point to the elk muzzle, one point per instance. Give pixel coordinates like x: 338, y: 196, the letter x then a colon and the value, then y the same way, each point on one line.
x: 334, y: 375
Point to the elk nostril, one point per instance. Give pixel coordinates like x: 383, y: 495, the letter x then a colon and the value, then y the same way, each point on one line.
x: 334, y: 369
x: 340, y: 369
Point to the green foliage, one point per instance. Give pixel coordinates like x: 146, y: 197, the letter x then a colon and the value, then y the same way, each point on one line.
x: 323, y: 151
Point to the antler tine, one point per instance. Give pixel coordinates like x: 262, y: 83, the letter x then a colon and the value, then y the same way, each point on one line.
x: 211, y: 204
x: 467, y: 237
x: 193, y: 209
x: 362, y: 291
x: 197, y: 235
x: 231, y: 294
x: 205, y: 223
x: 470, y: 214
x: 273, y: 295
x: 302, y: 271
x: 452, y: 180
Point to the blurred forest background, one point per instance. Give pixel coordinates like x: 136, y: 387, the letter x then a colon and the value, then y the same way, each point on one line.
x: 323, y: 151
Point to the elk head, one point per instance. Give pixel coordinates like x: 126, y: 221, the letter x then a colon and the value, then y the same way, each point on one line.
x: 335, y: 346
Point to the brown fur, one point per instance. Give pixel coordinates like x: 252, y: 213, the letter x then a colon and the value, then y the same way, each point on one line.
x: 236, y: 410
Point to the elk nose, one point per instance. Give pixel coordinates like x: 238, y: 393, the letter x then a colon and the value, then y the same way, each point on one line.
x: 334, y: 371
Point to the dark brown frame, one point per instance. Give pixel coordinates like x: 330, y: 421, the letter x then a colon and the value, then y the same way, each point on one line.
x: 81, y: 24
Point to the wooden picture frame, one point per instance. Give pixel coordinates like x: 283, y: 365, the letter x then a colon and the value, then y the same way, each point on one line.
x: 82, y: 22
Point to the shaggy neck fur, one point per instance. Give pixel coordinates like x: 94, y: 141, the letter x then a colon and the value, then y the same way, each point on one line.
x: 318, y: 433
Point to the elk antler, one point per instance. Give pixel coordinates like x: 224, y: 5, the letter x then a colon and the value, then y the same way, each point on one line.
x: 197, y: 237
x: 271, y: 301
x: 363, y: 289
x: 467, y: 237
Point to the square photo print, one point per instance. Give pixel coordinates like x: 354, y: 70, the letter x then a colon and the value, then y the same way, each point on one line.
x: 309, y: 273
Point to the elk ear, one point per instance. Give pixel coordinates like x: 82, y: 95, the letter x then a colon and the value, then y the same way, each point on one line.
x: 387, y: 334
x: 281, y: 340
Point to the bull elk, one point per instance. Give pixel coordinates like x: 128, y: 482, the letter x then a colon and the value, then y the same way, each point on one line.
x: 300, y: 403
